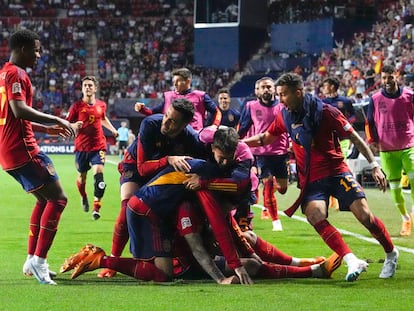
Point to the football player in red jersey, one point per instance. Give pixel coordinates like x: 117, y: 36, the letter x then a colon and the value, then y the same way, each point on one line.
x: 21, y: 156
x: 315, y: 129
x: 90, y: 142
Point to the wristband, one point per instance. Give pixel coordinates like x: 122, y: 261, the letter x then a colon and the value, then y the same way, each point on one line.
x: 374, y: 164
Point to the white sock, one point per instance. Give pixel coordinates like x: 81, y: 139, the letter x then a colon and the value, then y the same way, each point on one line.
x: 39, y: 260
x: 348, y: 258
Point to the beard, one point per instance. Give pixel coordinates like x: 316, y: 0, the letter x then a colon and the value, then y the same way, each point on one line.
x: 267, y: 97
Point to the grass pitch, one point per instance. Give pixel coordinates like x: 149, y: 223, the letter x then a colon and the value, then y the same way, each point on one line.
x: 298, y: 238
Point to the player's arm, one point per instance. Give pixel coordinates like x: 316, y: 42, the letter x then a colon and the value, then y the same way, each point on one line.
x: 245, y: 122
x: 261, y: 139
x: 140, y: 107
x: 25, y: 112
x: 108, y: 125
x: 377, y: 172
x: 195, y: 243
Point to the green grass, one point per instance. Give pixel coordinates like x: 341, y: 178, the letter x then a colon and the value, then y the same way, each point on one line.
x: 124, y: 293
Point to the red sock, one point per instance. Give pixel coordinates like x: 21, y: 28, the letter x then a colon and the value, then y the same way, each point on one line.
x: 332, y: 237
x: 273, y: 271
x: 269, y: 199
x: 97, y: 205
x: 138, y: 269
x: 120, y: 236
x: 34, y: 226
x: 48, y: 226
x: 379, y: 232
x: 270, y: 253
x: 81, y: 188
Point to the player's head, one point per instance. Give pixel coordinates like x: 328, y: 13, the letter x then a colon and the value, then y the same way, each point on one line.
x: 25, y: 48
x: 89, y: 86
x: 389, y: 78
x: 177, y: 117
x: 289, y: 88
x: 224, y: 145
x: 330, y: 86
x: 267, y: 89
x: 181, y: 79
x: 257, y: 88
x: 224, y: 99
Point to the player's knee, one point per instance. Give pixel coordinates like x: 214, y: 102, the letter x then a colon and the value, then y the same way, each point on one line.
x: 99, y: 185
x: 251, y: 237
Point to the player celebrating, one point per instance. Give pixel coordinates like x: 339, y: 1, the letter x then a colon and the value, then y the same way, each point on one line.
x: 90, y: 142
x: 20, y: 155
x: 271, y: 160
x: 315, y: 129
x: 182, y: 89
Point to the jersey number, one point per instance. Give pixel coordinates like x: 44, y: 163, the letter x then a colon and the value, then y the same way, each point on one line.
x: 3, y: 99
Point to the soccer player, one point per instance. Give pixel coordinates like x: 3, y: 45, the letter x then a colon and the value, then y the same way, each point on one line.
x: 202, y: 102
x: 150, y: 209
x: 272, y: 159
x: 229, y: 116
x: 260, y: 258
x: 315, y: 129
x: 390, y: 130
x: 330, y: 88
x: 90, y: 142
x: 162, y: 140
x: 20, y: 155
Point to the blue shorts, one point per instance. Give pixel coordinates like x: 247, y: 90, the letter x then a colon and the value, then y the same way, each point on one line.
x: 148, y: 240
x: 273, y: 165
x: 84, y: 159
x: 39, y: 172
x: 344, y: 187
x: 129, y: 173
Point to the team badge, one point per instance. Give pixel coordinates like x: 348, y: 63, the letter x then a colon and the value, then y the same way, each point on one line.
x: 185, y: 223
x: 340, y: 105
x: 16, y: 88
x: 231, y: 117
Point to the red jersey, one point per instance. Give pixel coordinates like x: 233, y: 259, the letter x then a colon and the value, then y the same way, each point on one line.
x: 17, y: 141
x: 90, y: 136
x: 326, y: 158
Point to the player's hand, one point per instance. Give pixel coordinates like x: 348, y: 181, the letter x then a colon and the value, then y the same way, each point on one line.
x: 379, y: 178
x: 255, y: 256
x: 180, y: 163
x: 193, y: 182
x: 243, y: 275
x: 138, y: 106
x: 115, y: 134
x: 229, y: 280
x: 56, y: 130
x: 67, y: 129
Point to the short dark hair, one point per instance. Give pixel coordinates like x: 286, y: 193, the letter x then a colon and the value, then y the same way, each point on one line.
x: 184, y: 73
x: 332, y: 81
x: 223, y: 90
x: 23, y: 38
x: 185, y: 107
x: 91, y: 78
x: 226, y: 139
x: 388, y: 69
x: 291, y: 80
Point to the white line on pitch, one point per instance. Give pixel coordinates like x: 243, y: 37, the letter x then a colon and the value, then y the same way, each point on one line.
x: 345, y: 232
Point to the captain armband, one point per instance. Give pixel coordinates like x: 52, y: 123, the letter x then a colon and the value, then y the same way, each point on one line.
x: 374, y: 164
